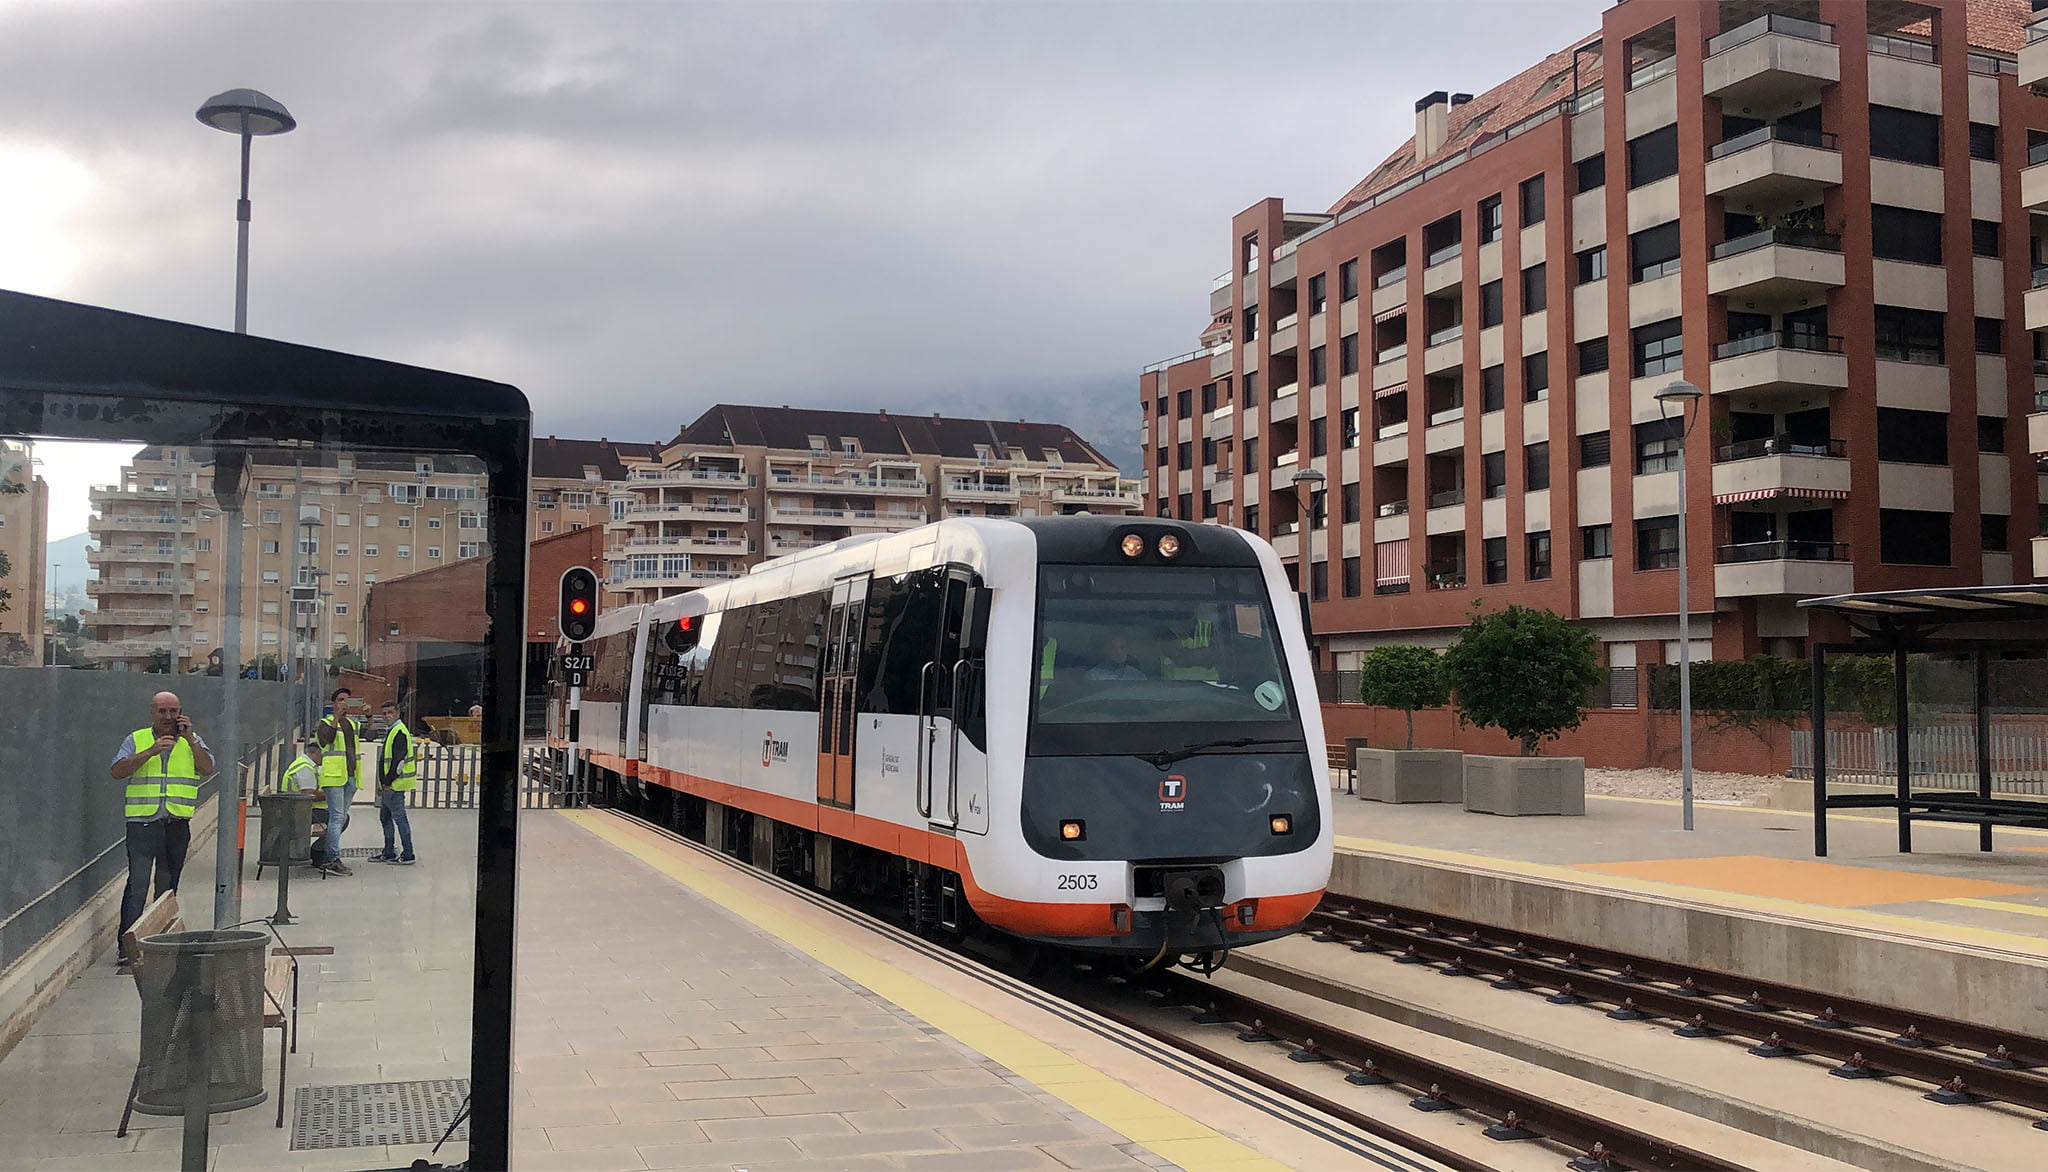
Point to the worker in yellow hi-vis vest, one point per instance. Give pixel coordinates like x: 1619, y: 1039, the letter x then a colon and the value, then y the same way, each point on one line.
x: 162, y: 765
x: 398, y: 771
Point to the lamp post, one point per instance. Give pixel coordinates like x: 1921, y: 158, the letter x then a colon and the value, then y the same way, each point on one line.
x: 1306, y: 482
x: 248, y: 113
x: 1686, y: 398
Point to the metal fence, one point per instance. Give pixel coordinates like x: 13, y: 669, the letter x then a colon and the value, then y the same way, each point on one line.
x: 449, y: 773
x: 1942, y: 757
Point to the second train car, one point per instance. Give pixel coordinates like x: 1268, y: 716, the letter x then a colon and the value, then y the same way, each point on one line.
x: 1091, y: 732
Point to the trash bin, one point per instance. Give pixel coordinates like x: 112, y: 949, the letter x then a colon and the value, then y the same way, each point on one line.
x: 176, y: 969
x: 287, y: 830
x: 1351, y: 747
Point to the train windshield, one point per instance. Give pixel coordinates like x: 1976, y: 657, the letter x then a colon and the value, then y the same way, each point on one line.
x: 1140, y: 645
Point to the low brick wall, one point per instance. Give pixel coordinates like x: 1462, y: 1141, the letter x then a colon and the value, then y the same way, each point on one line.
x: 1613, y: 738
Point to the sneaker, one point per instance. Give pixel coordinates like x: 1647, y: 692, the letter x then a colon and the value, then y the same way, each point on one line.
x: 384, y: 857
x: 337, y: 867
x: 405, y: 861
x: 123, y: 964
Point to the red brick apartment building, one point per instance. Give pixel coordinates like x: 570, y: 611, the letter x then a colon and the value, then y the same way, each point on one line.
x: 1821, y: 214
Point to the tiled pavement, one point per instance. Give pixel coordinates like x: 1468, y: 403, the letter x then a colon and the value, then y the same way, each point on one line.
x: 658, y: 1030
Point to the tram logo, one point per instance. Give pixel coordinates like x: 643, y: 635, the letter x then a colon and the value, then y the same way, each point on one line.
x: 1173, y: 792
x: 773, y: 750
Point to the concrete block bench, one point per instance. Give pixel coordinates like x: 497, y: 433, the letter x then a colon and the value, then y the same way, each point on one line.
x: 1525, y: 785
x: 1411, y: 775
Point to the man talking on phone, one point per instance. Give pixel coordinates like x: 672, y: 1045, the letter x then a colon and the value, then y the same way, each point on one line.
x: 162, y: 765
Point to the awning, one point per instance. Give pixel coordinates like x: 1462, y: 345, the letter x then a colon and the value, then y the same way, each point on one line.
x: 1390, y: 562
x: 1771, y: 494
x: 1390, y: 314
x: 1396, y: 389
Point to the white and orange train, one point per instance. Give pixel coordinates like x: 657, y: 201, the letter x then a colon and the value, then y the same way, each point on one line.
x: 1092, y: 732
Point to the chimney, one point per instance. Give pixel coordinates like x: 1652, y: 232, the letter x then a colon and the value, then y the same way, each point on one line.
x: 935, y: 417
x: 1432, y: 124
x: 1458, y: 100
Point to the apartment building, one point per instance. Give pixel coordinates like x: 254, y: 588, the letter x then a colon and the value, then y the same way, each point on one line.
x: 571, y: 480
x: 1817, y: 213
x: 24, y: 538
x: 2033, y: 198
x: 319, y: 529
x: 743, y: 484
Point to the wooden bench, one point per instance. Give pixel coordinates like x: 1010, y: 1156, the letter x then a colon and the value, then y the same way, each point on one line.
x: 1340, y: 762
x: 280, y: 988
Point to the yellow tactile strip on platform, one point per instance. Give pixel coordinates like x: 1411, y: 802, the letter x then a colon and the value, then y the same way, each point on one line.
x: 1808, y: 881
x: 1139, y: 1117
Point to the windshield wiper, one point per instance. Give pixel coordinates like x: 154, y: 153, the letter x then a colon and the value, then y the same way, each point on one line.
x: 1166, y: 757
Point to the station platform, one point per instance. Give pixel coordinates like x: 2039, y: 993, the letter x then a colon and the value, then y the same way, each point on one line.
x: 673, y: 1011
x: 1946, y: 929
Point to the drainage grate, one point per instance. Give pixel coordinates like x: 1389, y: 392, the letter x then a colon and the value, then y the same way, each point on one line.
x: 360, y: 852
x: 374, y: 1113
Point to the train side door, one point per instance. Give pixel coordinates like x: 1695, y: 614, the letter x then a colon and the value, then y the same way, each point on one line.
x: 839, y: 663
x: 945, y: 686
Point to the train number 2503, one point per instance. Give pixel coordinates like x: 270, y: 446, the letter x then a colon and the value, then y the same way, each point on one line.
x: 1077, y: 883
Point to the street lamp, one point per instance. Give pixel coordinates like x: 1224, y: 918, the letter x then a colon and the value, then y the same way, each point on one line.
x: 1686, y: 398
x: 247, y: 113
x: 1306, y: 483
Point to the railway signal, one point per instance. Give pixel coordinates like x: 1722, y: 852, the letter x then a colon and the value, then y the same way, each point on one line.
x: 578, y: 614
x: 577, y: 618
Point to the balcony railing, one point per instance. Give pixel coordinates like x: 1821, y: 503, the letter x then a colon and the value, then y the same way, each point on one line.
x: 1775, y: 22
x: 1992, y: 64
x: 2037, y: 154
x: 1779, y: 340
x: 1446, y: 498
x: 1782, y: 551
x: 1904, y: 48
x: 1448, y: 334
x: 1790, y: 237
x: 2040, y: 276
x: 1915, y: 352
x: 1391, y: 353
x: 691, y: 476
x: 1400, y: 587
x: 1780, y: 445
x: 1447, y: 252
x: 1391, y: 276
x: 1643, y: 75
x: 1444, y: 575
x: 1775, y: 132
x: 1391, y: 509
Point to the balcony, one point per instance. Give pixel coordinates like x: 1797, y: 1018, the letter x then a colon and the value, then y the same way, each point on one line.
x: 781, y: 544
x: 1122, y: 495
x: 981, y: 490
x: 1284, y: 338
x: 1771, y: 62
x: 1801, y: 569
x: 2034, y: 178
x: 851, y: 483
x: 682, y: 544
x: 1448, y: 575
x: 2037, y: 427
x: 1781, y: 467
x: 126, y: 648
x: 672, y: 583
x: 2041, y: 557
x: 1779, y: 360
x: 136, y: 555
x: 1777, y: 265
x: 118, y: 523
x: 693, y: 510
x: 690, y: 476
x: 128, y: 616
x: 1773, y: 166
x: 2037, y: 300
x: 887, y: 522
x: 97, y: 587
x: 2034, y: 58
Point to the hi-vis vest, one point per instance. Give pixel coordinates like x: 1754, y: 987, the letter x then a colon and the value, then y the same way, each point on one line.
x: 338, y: 758
x: 159, y: 785
x: 408, y: 774
x: 303, y: 776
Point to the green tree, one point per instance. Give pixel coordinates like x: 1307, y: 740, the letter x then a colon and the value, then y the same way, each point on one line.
x: 345, y: 658
x: 1404, y: 676
x: 1523, y: 671
x: 9, y: 487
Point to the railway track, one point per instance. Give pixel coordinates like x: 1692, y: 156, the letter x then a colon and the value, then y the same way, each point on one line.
x: 1962, y: 1062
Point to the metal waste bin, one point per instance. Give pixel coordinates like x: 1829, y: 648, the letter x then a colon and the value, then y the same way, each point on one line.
x: 180, y: 972
x: 287, y: 830
x: 1351, y: 747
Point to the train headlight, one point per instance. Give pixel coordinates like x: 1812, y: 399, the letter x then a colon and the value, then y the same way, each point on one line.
x: 1169, y: 546
x: 1283, y: 824
x: 1248, y: 911
x: 1133, y: 545
x: 1073, y: 830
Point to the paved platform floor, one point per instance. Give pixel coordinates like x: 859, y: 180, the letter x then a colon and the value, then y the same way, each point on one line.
x: 1747, y: 856
x: 671, y: 1013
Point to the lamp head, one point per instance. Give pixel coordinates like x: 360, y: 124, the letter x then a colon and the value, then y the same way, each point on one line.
x: 1308, y: 477
x: 1679, y: 394
x: 267, y: 115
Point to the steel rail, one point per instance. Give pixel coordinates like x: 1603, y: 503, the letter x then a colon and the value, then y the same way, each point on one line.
x: 1688, y: 995
x: 1522, y: 1114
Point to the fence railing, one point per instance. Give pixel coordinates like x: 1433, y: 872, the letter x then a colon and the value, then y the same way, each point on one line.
x: 449, y: 775
x: 1942, y: 758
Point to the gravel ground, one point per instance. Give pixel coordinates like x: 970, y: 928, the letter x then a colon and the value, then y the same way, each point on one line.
x: 1737, y: 788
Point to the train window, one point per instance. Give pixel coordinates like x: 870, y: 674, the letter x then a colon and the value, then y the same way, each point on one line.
x: 902, y: 639
x: 1129, y: 644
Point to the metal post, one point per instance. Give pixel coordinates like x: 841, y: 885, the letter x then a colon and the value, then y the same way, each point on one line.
x: 198, y: 1060
x: 227, y: 890
x: 1905, y: 744
x: 284, y: 837
x: 1684, y: 653
x: 1820, y: 750
x: 1984, y: 742
x: 577, y: 797
x: 242, y: 238
x: 295, y: 691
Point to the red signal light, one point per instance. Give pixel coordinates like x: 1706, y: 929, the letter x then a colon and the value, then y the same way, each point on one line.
x: 578, y: 606
x: 684, y: 624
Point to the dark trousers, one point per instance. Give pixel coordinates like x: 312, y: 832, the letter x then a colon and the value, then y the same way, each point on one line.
x: 158, y: 846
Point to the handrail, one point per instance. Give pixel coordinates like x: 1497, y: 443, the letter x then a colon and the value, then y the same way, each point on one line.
x: 1446, y: 498
x: 2038, y: 30
x: 1904, y: 48
x: 1782, y: 551
x: 1643, y: 75
x: 1774, y: 22
x: 1791, y: 237
x: 1391, y: 509
x: 1779, y: 339
x: 2040, y: 276
x: 1774, y: 132
x: 1991, y: 64
x: 2038, y: 153
x: 1392, y: 276
x: 1780, y: 445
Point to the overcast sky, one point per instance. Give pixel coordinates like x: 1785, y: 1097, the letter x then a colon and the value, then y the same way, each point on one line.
x: 632, y: 211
